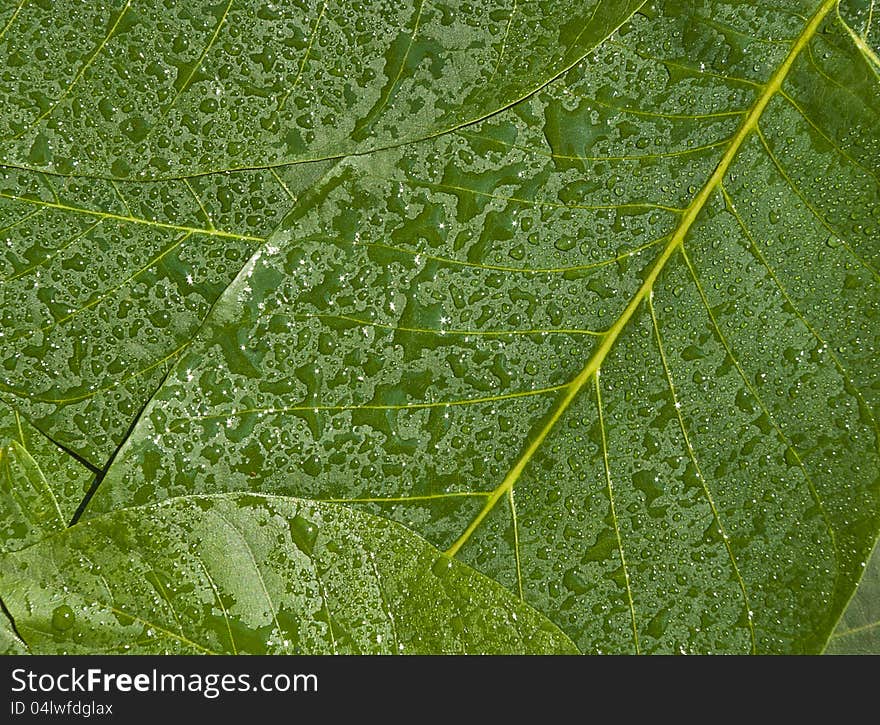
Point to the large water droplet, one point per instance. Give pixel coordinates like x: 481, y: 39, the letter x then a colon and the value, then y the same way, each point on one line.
x: 63, y: 618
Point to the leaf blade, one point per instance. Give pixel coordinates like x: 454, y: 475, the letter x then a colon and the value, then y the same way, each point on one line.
x: 40, y: 484
x: 105, y: 283
x: 447, y: 342
x: 258, y: 574
x: 142, y: 91
x: 857, y: 632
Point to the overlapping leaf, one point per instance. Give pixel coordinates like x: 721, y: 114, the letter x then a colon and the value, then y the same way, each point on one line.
x: 103, y: 282
x: 425, y: 339
x: 859, y: 629
x: 614, y: 347
x: 251, y: 574
x: 41, y: 486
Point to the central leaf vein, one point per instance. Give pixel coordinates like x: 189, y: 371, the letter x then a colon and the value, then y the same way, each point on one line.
x: 574, y: 387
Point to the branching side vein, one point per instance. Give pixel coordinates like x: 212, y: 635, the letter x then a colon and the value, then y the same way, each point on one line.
x: 573, y: 388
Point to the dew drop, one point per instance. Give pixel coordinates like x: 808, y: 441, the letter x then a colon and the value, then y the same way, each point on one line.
x: 63, y: 618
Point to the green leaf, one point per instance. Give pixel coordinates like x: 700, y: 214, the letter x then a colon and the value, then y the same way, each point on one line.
x: 116, y: 277
x: 255, y: 574
x: 858, y: 631
x: 10, y: 644
x: 41, y: 485
x: 30, y: 507
x: 104, y: 283
x: 138, y: 89
x: 692, y: 214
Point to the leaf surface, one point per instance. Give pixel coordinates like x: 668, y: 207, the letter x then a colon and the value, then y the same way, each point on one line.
x: 152, y: 89
x: 858, y: 631
x: 10, y: 644
x: 102, y: 284
x: 255, y: 574
x: 41, y: 485
x: 614, y: 347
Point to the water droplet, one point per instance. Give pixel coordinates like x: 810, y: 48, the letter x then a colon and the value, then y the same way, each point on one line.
x: 441, y: 566
x: 63, y: 618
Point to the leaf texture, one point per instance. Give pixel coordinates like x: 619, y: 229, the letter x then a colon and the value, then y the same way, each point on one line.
x: 858, y: 631
x: 10, y: 644
x: 150, y: 89
x: 130, y: 90
x: 612, y: 347
x: 41, y: 486
x: 255, y: 574
x: 104, y: 283
x: 542, y: 341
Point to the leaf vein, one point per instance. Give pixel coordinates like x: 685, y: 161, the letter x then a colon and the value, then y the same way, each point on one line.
x: 132, y: 220
x: 100, y: 298
x: 536, y: 202
x: 829, y: 348
x: 826, y: 137
x: 186, y: 83
x: 607, y: 467
x: 407, y: 406
x: 704, y: 483
x: 516, y: 270
x: 751, y: 388
x: 220, y: 602
x: 572, y: 157
x: 302, y: 66
x: 11, y: 20
x: 250, y: 552
x: 812, y: 209
x: 445, y: 332
x: 515, y: 524
x: 571, y: 390
x: 79, y: 74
